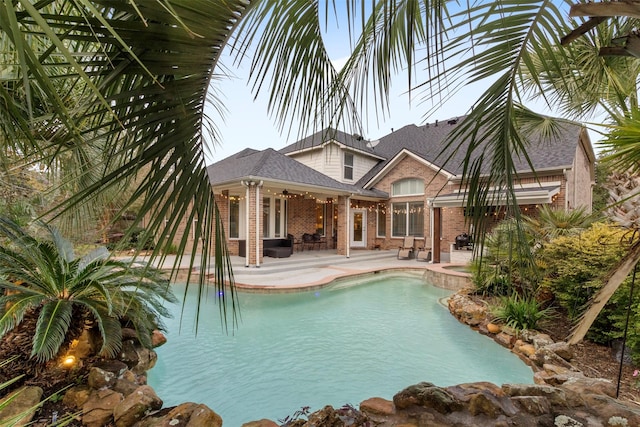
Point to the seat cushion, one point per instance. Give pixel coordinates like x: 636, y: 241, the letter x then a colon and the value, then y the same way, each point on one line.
x: 278, y: 252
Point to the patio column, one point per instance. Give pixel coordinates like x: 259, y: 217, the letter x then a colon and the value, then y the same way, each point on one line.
x: 437, y: 220
x: 252, y: 234
x: 342, y: 232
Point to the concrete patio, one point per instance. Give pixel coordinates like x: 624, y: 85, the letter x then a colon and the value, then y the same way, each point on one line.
x: 310, y: 269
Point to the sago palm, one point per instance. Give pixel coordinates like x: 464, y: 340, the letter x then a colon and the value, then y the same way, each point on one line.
x: 41, y: 277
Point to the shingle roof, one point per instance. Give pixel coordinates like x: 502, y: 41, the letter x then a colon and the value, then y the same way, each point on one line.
x: 273, y: 165
x: 317, y: 139
x: 427, y: 142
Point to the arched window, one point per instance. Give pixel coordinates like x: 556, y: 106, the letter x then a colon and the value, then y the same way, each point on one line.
x: 408, y: 187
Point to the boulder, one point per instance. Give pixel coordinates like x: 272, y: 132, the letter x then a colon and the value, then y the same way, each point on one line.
x: 527, y: 349
x: 555, y: 395
x: 117, y: 367
x: 260, y: 423
x: 138, y: 359
x: 581, y: 384
x: 377, y: 406
x: 125, y: 387
x: 202, y: 416
x: 504, y: 339
x: 464, y: 392
x: 541, y: 340
x: 486, y: 403
x: 493, y: 328
x: 99, y: 378
x: 426, y: 395
x: 135, y: 406
x: 157, y: 338
x: 466, y: 310
x: 607, y: 407
x: 534, y: 405
x: 562, y: 349
x: 21, y: 406
x: 98, y: 409
x: 76, y: 396
x: 187, y: 414
x: 326, y: 416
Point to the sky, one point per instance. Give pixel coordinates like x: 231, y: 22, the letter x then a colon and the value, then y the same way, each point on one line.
x: 247, y: 125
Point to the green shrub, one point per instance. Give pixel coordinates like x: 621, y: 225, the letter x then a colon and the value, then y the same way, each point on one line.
x: 490, y: 280
x: 575, y: 265
x: 520, y: 312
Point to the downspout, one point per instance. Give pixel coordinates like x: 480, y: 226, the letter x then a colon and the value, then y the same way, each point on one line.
x: 567, y: 204
x: 430, y: 204
x: 246, y: 223
x: 348, y: 227
x: 258, y: 185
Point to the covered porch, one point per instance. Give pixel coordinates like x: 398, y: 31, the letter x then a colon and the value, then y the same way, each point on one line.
x: 272, y: 206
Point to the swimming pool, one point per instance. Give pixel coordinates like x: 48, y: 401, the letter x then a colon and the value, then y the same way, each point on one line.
x: 341, y: 344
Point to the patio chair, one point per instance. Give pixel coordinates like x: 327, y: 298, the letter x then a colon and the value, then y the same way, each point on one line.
x: 423, y: 254
x: 308, y: 241
x: 406, y: 250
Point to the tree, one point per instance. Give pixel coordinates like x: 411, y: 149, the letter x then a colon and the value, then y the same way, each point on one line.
x: 130, y: 80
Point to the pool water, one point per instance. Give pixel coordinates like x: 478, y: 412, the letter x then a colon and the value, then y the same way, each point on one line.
x: 341, y: 344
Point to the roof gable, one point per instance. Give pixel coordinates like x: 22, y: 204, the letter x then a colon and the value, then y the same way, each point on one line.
x: 275, y: 166
x: 426, y: 142
x: 321, y: 138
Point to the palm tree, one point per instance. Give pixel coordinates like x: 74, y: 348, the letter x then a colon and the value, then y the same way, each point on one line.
x: 130, y: 79
x: 42, y: 282
x: 550, y: 223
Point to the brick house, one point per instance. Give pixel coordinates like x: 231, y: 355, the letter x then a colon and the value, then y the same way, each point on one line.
x: 359, y: 194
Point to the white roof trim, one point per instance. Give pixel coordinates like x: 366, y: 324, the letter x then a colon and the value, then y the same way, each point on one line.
x: 339, y: 144
x: 400, y: 156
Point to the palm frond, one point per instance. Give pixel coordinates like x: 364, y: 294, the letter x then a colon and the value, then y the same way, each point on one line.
x: 51, y: 330
x: 109, y: 327
x: 14, y: 308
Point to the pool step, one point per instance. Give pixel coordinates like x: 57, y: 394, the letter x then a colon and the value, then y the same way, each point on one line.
x: 311, y: 259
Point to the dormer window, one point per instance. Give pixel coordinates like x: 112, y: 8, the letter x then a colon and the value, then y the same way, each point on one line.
x: 348, y: 166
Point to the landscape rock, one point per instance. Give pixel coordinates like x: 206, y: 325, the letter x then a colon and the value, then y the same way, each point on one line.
x: 135, y: 406
x: 19, y: 411
x: 556, y: 395
x: 187, y: 414
x: 426, y: 395
x: 260, y: 423
x: 117, y: 367
x: 581, y: 384
x: 377, y: 406
x: 607, y: 407
x: 98, y: 409
x: 203, y: 416
x: 534, y: 405
x: 504, y: 339
x: 125, y: 387
x: 99, y: 378
x: 157, y: 338
x: 138, y: 359
x: 487, y: 403
x: 493, y: 328
x: 466, y: 310
x: 527, y: 349
x: 541, y: 340
x: 76, y: 396
x: 562, y: 349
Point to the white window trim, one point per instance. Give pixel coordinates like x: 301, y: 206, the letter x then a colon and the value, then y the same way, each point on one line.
x: 421, y: 193
x: 378, y: 223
